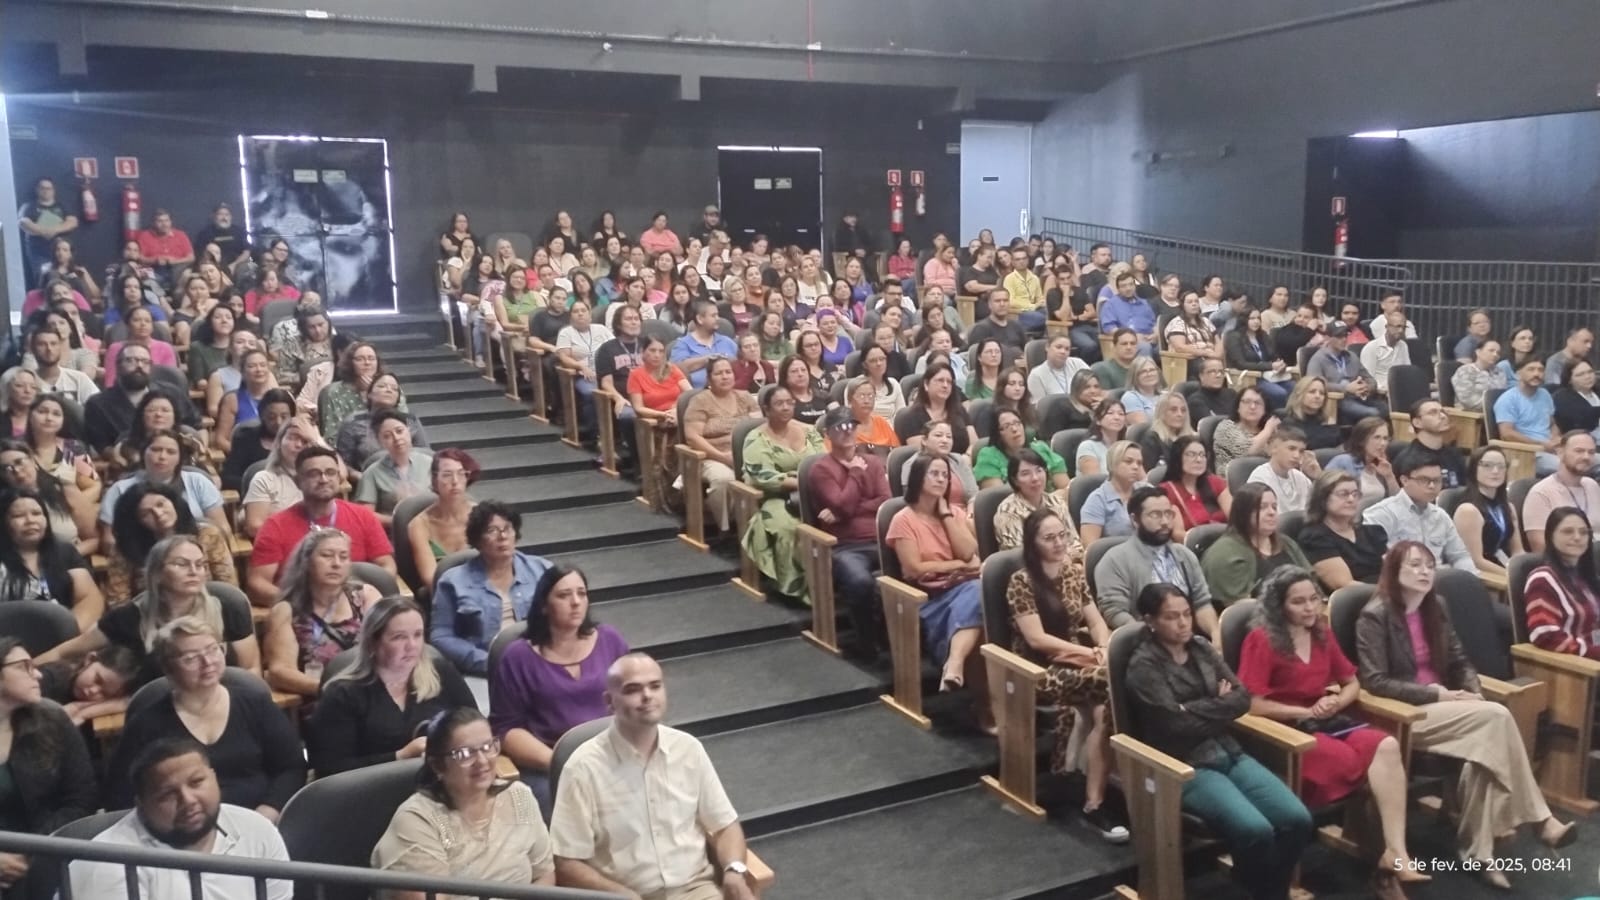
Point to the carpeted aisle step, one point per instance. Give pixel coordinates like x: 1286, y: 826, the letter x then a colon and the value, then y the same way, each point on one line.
x: 403, y: 340
x: 516, y: 431
x: 444, y: 368
x: 617, y: 572
x: 461, y: 388
x: 439, y: 353
x: 592, y: 527
x: 959, y: 845
x: 760, y: 683
x: 478, y: 408
x: 698, y: 621
x: 549, y: 493
x: 527, y: 461
x: 811, y: 769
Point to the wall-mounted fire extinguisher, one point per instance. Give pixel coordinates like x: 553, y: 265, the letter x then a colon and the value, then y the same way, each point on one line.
x: 130, y: 211
x: 922, y: 202
x: 91, y: 206
x: 897, y: 210
x: 1341, y: 237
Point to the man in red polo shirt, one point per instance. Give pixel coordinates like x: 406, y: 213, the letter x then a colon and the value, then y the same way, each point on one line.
x: 164, y: 248
x: 317, y: 472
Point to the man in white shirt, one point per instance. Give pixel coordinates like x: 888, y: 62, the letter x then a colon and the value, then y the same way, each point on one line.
x: 1054, y: 375
x: 638, y: 805
x: 1413, y: 514
x: 1386, y: 350
x: 1281, y: 471
x: 48, y: 349
x: 1391, y: 302
x: 178, y: 806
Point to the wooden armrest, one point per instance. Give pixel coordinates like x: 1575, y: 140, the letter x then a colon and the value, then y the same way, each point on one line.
x: 107, y: 726
x: 1012, y: 661
x: 505, y: 768
x: 1277, y: 734
x: 760, y: 872
x: 1565, y: 663
x: 259, y: 614
x: 1465, y: 415
x: 748, y: 490
x: 230, y: 496
x: 1495, y: 581
x: 1152, y: 761
x: 691, y: 453
x: 405, y: 589
x: 240, y: 545
x: 286, y: 701
x: 1501, y: 691
x: 900, y: 591
x: 817, y: 535
x: 1391, y: 710
x: 99, y: 562
x: 1513, y: 446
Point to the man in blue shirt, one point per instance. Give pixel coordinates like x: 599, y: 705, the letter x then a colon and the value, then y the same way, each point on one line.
x: 693, y: 352
x: 473, y: 601
x: 1127, y: 310
x: 1526, y: 415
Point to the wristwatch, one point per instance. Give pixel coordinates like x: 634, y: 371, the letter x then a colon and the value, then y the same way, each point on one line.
x: 737, y: 867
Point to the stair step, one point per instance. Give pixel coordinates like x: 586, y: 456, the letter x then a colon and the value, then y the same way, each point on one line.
x: 523, y: 460
x: 518, y: 432
x: 560, y: 491
x: 406, y: 340
x: 698, y: 621
x: 466, y: 409
x: 761, y: 683
x: 838, y: 763
x: 440, y: 353
x: 591, y: 527
x: 416, y: 373
x: 632, y: 571
x: 452, y: 389
x: 981, y: 850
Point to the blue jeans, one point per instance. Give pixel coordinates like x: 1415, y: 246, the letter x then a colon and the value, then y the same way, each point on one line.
x: 1276, y: 393
x: 1545, y: 464
x: 1085, y: 342
x: 585, y: 389
x: 1264, y: 824
x: 855, y: 581
x: 1354, y: 409
x: 1032, y: 321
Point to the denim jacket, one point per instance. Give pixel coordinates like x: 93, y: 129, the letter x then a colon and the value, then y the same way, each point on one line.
x: 467, y: 611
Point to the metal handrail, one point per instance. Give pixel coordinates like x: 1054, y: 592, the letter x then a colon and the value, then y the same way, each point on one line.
x: 67, y: 850
x: 1550, y: 297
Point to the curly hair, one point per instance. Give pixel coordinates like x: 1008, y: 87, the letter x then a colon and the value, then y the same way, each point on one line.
x: 1270, y: 613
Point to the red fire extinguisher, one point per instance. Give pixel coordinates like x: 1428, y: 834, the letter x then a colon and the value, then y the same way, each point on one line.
x: 897, y: 210
x: 91, y: 207
x: 130, y: 211
x: 1341, y: 237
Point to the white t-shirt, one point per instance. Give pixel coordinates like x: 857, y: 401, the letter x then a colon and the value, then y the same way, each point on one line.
x: 583, y: 344
x: 1293, y: 491
x: 240, y: 832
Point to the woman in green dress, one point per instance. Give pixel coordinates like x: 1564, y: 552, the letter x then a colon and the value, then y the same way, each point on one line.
x: 772, y: 454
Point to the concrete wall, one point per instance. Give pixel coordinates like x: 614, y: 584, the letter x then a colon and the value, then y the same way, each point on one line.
x: 1262, y: 98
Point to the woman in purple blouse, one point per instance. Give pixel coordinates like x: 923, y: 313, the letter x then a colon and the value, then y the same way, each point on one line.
x: 553, y: 678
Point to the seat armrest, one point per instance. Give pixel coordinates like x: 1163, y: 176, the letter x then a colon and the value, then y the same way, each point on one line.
x: 1150, y: 761
x: 1390, y: 710
x: 1279, y: 735
x: 816, y: 535
x: 1565, y: 663
x: 1012, y: 661
x: 760, y: 873
x: 1501, y: 691
x: 1494, y: 581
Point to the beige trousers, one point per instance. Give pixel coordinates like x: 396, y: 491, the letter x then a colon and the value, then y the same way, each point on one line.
x: 700, y: 890
x: 1497, y: 790
x: 718, y: 506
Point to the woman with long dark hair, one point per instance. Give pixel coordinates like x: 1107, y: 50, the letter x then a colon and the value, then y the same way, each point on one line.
x: 1291, y: 665
x: 73, y: 517
x: 553, y: 678
x: 1562, y: 597
x: 1010, y: 437
x: 1409, y: 652
x: 36, y: 566
x: 937, y: 547
x: 464, y: 821
x: 1245, y: 433
x: 1489, y: 523
x: 165, y: 460
x: 1200, y: 497
x: 147, y: 514
x: 1051, y: 615
x: 936, y: 399
x: 1250, y: 548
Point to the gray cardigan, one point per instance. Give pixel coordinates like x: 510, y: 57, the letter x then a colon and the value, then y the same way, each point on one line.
x: 1127, y: 568
x: 1387, y: 666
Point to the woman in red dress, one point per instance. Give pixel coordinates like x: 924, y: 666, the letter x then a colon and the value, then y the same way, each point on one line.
x: 1289, y: 664
x: 1200, y: 497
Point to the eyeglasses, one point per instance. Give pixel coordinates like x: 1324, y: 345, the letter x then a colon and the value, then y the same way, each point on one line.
x: 187, y: 565
x: 500, y: 531
x: 26, y: 664
x: 1058, y: 537
x: 1347, y: 493
x: 194, y: 657
x: 1425, y: 482
x: 1194, y: 454
x: 1493, y: 465
x: 462, y: 756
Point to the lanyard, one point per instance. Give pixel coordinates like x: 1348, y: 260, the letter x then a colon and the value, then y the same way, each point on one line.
x: 333, y: 518
x: 1499, y: 517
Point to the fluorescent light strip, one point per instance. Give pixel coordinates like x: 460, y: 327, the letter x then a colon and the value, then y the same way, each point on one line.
x: 1380, y: 133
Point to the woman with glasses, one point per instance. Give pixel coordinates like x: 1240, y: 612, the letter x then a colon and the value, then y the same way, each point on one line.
x: 35, y: 566
x: 374, y: 711
x: 1342, y: 549
x: 175, y: 576
x: 464, y: 821
x: 46, y: 777
x: 441, y: 528
x: 1010, y: 437
x: 1486, y: 518
x: 1200, y: 497
x: 474, y: 600
x: 250, y: 743
x: 1409, y: 652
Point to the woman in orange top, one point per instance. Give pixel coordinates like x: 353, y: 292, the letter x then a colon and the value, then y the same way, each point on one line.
x: 873, y: 432
x: 654, y: 389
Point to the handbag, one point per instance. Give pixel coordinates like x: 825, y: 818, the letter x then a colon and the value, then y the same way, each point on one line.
x: 1337, y: 724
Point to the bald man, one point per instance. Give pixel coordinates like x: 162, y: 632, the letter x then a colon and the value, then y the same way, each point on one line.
x: 623, y: 819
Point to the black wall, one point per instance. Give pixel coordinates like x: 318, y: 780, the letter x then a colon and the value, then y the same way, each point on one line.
x: 1370, y: 173
x: 508, y: 159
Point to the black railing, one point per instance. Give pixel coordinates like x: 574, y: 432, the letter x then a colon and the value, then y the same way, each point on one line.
x: 64, y: 851
x: 1549, y: 297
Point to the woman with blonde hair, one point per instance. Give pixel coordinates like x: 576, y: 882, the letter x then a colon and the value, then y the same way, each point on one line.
x: 1144, y: 390
x: 374, y: 711
x: 319, y: 614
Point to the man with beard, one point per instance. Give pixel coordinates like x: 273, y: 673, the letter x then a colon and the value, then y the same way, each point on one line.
x: 1151, y: 557
x: 48, y: 348
x: 602, y: 807
x: 178, y: 806
x: 228, y: 237
x: 252, y: 441
x: 318, y: 474
x: 109, y: 414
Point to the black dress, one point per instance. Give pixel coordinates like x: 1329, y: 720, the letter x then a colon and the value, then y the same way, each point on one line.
x: 356, y: 723
x: 1364, y: 555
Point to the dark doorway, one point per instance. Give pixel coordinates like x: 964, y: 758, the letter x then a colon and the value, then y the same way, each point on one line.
x: 1368, y: 175
x: 329, y: 199
x: 776, y: 191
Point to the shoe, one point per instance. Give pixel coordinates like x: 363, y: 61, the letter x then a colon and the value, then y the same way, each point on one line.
x: 1495, y: 879
x: 1401, y: 869
x: 1107, y: 822
x: 951, y: 681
